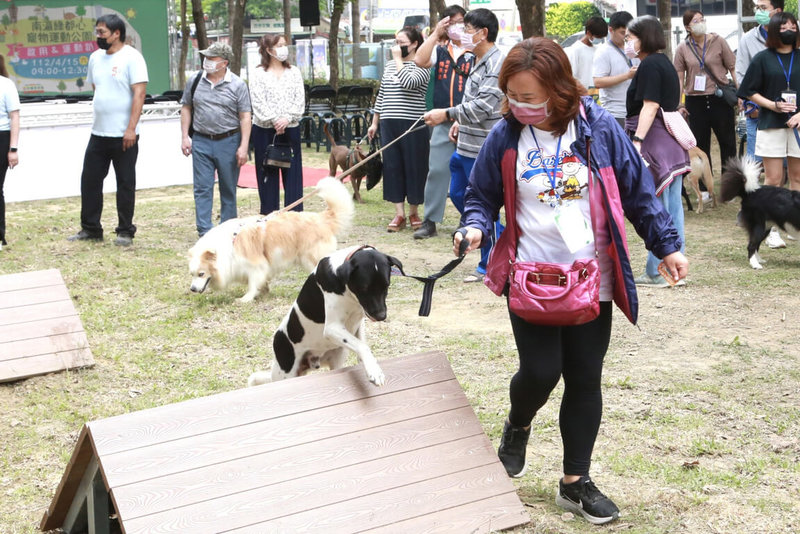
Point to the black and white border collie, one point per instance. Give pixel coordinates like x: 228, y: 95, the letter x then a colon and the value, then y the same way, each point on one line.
x: 760, y: 204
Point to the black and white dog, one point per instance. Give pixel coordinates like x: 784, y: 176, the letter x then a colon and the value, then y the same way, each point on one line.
x: 327, y: 318
x: 760, y: 204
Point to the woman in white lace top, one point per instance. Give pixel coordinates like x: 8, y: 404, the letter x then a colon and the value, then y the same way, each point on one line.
x: 278, y: 98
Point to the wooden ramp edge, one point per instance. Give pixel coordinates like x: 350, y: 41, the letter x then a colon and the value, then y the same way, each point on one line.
x: 329, y: 452
x: 40, y: 331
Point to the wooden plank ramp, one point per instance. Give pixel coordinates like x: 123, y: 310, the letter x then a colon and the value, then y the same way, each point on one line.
x: 40, y: 331
x: 328, y: 452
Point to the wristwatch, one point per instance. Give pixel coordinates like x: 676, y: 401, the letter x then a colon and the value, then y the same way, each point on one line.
x: 447, y: 114
x: 12, y: 149
x: 637, y: 138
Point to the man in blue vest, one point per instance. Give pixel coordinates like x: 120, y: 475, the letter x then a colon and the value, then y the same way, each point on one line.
x: 442, y: 50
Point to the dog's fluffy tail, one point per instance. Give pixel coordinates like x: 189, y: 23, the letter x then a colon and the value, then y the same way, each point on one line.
x: 740, y: 178
x: 339, y: 202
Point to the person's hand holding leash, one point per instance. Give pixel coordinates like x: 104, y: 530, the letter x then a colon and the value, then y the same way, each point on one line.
x: 469, y: 235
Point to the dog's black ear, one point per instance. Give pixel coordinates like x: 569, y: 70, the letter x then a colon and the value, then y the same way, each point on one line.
x: 397, y: 263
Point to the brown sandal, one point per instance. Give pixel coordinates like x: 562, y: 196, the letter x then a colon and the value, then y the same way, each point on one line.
x: 414, y: 221
x: 397, y: 224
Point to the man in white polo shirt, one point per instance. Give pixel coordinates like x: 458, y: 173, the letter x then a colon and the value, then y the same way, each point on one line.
x: 613, y: 70
x: 118, y: 75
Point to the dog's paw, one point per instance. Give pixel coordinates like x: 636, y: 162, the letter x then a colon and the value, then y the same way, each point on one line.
x: 246, y: 298
x: 755, y: 264
x: 375, y: 375
x: 258, y: 378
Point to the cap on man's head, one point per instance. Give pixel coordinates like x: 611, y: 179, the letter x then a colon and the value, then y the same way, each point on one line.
x: 218, y: 50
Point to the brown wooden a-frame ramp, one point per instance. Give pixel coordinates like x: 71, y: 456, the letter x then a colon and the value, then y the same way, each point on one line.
x: 328, y: 452
x: 40, y: 331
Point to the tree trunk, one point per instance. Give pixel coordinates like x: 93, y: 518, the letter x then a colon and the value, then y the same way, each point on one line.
x: 236, y: 32
x: 355, y: 30
x: 184, y: 46
x: 531, y: 17
x: 333, y: 42
x: 664, y: 15
x: 287, y: 22
x: 199, y: 24
x: 436, y: 8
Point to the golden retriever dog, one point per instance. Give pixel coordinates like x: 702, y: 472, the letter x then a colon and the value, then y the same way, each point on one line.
x: 701, y: 168
x: 253, y: 250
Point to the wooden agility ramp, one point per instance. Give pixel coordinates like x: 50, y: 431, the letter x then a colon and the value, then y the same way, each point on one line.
x: 40, y: 331
x: 329, y: 452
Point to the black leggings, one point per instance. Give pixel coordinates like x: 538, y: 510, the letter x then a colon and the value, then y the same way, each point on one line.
x: 546, y: 353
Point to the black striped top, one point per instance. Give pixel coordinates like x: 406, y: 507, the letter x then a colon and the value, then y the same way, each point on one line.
x: 402, y: 94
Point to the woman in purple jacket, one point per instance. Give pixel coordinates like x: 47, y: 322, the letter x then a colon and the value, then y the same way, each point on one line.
x: 542, y: 146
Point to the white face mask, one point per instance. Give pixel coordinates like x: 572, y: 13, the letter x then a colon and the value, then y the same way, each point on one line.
x: 467, y: 43
x: 597, y: 40
x: 281, y: 53
x: 698, y: 28
x: 211, y: 66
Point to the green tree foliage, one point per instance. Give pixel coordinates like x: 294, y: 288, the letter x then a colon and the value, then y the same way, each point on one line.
x: 562, y: 20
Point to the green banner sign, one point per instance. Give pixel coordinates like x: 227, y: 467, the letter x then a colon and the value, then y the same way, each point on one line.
x: 46, y: 44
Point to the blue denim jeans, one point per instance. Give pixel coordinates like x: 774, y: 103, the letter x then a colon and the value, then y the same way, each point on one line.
x: 673, y: 203
x: 460, y: 169
x: 207, y: 157
x: 752, y: 129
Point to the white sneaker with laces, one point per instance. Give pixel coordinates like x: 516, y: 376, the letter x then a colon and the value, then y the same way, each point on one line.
x: 774, y: 239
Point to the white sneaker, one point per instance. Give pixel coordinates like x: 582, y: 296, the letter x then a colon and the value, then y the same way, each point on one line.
x: 774, y: 240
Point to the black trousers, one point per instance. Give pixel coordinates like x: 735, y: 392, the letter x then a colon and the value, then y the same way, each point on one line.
x: 547, y: 353
x: 101, y: 152
x: 405, y: 163
x: 5, y: 142
x: 269, y: 179
x: 707, y: 113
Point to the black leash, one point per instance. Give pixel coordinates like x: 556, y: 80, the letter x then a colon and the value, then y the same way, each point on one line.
x: 429, y: 281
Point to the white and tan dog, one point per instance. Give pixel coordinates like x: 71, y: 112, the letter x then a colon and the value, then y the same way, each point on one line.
x: 253, y: 250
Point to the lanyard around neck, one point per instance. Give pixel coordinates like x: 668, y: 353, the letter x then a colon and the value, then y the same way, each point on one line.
x: 544, y: 165
x: 786, y: 73
x: 618, y: 49
x: 702, y: 58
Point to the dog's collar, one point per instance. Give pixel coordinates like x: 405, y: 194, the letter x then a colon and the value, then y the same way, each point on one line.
x: 242, y: 224
x: 362, y: 247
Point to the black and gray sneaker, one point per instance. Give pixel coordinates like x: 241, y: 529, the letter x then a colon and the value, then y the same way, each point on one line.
x: 512, y: 449
x: 583, y: 497
x: 428, y: 229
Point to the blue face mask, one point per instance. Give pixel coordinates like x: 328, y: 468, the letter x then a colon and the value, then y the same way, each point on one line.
x: 597, y: 40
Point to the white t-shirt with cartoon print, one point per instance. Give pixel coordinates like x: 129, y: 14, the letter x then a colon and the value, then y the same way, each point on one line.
x: 539, y: 194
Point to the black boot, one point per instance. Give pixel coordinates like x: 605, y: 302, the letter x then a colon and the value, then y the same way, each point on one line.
x: 428, y: 229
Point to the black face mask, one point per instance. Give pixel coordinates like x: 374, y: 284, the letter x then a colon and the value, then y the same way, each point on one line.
x: 404, y: 50
x: 102, y: 43
x: 788, y: 37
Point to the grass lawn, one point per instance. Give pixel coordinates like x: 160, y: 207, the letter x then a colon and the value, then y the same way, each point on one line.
x: 701, y: 414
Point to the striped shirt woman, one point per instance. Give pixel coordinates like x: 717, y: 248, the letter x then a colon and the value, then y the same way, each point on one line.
x: 400, y: 102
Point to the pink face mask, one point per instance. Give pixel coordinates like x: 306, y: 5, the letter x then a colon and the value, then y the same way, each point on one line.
x: 630, y: 49
x: 529, y: 114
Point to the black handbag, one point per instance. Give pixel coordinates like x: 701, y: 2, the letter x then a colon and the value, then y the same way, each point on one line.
x: 374, y: 166
x: 277, y: 155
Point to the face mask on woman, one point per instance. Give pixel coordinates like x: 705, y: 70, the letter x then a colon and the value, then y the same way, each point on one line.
x: 630, y: 50
x: 529, y: 113
x: 788, y: 37
x: 762, y: 16
x: 698, y: 28
x: 281, y: 53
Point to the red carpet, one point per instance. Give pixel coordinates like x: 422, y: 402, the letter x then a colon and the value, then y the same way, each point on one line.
x: 311, y: 175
